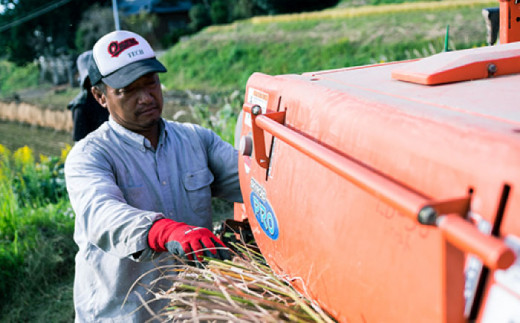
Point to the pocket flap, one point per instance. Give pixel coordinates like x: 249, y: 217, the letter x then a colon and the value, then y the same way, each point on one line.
x: 198, y: 179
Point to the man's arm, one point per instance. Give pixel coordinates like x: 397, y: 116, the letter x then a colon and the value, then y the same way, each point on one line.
x: 103, y: 217
x: 223, y: 163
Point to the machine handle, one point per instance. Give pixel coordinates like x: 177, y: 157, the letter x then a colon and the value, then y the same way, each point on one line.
x: 463, y: 234
x: 407, y: 201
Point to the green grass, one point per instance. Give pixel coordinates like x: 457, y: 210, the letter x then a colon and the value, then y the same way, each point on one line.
x: 37, y: 265
x: 36, y: 226
x: 223, y: 58
x: 42, y: 140
x: 351, y: 3
x: 13, y: 78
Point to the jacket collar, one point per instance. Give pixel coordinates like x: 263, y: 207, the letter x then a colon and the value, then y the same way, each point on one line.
x: 134, y: 139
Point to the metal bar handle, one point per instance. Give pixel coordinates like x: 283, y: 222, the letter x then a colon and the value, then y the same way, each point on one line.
x: 407, y: 201
x: 461, y: 233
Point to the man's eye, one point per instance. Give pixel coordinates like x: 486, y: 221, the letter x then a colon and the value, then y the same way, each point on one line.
x: 124, y: 90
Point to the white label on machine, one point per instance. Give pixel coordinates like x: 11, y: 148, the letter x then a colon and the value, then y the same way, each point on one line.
x: 255, y: 96
x: 503, y: 301
x: 501, y: 307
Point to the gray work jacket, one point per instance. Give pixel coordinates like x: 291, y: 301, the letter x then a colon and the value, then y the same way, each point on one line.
x: 118, y: 186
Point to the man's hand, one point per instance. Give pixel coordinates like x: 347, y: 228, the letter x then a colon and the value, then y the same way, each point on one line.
x: 183, y: 240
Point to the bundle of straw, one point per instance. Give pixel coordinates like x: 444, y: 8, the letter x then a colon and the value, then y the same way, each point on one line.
x: 242, y: 290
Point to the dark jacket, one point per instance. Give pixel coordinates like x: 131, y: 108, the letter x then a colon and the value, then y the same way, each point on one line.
x: 87, y: 114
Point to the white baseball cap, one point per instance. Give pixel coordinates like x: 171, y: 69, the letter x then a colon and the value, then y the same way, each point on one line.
x: 120, y: 58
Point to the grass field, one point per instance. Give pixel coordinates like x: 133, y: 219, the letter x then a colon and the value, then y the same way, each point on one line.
x: 223, y: 57
x: 41, y: 140
x: 36, y: 247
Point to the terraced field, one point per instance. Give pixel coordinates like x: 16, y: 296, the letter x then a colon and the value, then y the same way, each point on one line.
x: 223, y: 57
x: 44, y: 141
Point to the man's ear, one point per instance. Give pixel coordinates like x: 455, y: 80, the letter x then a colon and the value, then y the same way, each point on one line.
x: 99, y: 96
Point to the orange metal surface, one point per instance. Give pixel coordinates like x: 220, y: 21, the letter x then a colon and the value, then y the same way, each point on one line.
x: 334, y: 198
x: 509, y: 21
x: 494, y: 253
x: 462, y: 65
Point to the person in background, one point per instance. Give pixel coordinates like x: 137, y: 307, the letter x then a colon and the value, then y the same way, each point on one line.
x: 87, y: 113
x: 140, y: 187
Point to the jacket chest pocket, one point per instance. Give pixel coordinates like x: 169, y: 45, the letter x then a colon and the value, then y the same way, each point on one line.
x: 197, y: 186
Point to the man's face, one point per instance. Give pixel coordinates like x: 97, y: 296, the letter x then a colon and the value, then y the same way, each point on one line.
x: 138, y: 106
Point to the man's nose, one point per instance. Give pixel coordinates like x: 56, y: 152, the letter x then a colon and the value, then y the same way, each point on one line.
x: 145, y: 96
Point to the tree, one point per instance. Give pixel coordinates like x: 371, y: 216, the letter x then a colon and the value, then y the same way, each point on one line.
x: 199, y: 15
x: 145, y: 24
x: 95, y: 22
x: 32, y: 28
x: 288, y: 6
x: 219, y: 11
x: 241, y: 9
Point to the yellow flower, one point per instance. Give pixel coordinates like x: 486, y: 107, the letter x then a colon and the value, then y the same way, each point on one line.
x: 3, y: 150
x: 4, y: 155
x: 23, y: 156
x: 65, y: 152
x: 44, y: 159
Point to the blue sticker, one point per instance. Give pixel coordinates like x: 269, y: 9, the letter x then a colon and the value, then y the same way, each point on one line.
x: 265, y: 216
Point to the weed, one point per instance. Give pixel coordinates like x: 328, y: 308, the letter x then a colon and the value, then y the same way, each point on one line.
x: 218, y: 113
x: 37, y: 184
x: 36, y: 225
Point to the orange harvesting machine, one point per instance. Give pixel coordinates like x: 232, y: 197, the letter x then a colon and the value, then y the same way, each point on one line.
x: 391, y: 192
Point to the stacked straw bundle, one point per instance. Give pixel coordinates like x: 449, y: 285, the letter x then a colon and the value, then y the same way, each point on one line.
x: 242, y: 290
x: 35, y: 115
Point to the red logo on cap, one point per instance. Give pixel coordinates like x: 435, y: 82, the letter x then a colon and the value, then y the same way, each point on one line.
x: 115, y: 48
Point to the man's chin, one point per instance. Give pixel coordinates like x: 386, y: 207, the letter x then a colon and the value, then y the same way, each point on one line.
x: 151, y: 122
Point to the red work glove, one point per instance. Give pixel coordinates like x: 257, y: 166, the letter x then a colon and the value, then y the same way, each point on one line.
x: 183, y: 240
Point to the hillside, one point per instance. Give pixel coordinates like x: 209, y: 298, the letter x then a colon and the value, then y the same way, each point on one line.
x: 223, y: 57
x: 211, y: 68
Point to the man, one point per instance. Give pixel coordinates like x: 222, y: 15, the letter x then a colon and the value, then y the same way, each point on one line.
x: 140, y: 187
x: 87, y: 114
